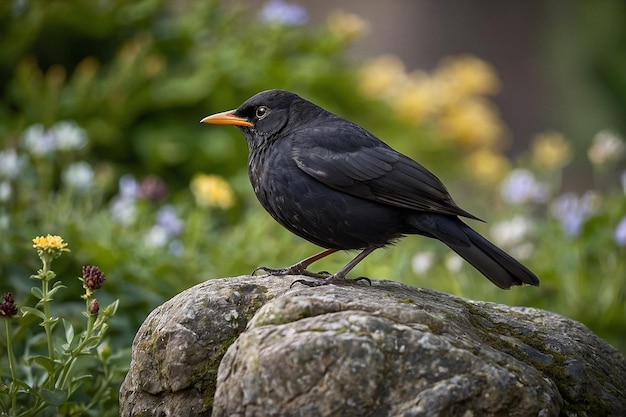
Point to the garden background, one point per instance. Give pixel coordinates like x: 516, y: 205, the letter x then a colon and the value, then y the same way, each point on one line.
x: 100, y: 144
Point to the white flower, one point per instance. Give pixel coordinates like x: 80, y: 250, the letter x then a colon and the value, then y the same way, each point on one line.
x: 38, y: 141
x: 79, y: 176
x: 453, y: 262
x: 422, y: 262
x: 157, y: 237
x: 9, y: 163
x: 69, y: 136
x: 5, y: 191
x: 123, y: 210
x: 607, y: 146
x: 522, y: 251
x: 520, y: 186
x: 511, y: 232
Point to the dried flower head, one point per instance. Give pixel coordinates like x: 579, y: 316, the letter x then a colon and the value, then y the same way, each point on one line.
x: 8, y: 308
x: 50, y: 245
x: 92, y: 278
x: 94, y: 307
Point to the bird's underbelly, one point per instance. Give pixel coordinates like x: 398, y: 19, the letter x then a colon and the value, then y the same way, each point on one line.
x: 325, y: 216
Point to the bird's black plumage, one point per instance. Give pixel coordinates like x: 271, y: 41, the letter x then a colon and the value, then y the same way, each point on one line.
x: 335, y: 184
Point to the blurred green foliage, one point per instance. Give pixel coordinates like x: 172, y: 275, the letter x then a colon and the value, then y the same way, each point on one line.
x: 100, y: 144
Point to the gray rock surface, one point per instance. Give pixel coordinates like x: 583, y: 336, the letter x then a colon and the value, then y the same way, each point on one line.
x: 251, y: 346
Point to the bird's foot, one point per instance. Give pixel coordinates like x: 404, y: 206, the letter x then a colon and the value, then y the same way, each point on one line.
x: 296, y: 269
x: 333, y: 279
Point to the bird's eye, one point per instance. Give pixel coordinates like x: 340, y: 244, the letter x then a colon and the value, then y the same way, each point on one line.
x: 261, y: 112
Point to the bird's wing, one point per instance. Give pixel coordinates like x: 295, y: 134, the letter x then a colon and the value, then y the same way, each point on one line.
x: 352, y: 160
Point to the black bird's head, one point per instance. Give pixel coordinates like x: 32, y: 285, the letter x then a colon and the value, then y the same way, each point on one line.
x: 265, y: 115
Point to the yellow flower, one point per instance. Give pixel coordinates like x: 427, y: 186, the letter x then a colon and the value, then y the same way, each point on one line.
x: 415, y: 102
x: 383, y: 76
x: 551, y: 150
x: 211, y: 191
x: 464, y: 76
x: 487, y: 166
x: 347, y: 25
x: 50, y: 245
x: 473, y: 123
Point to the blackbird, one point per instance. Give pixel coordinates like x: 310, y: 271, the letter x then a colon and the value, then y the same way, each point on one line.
x: 338, y: 186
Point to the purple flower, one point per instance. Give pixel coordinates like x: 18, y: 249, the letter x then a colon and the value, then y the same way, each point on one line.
x: 129, y: 187
x: 286, y: 14
x: 572, y: 211
x: 520, y: 186
x: 168, y: 226
x: 93, y: 278
x: 169, y: 220
x: 7, y: 306
x: 620, y: 232
x: 152, y: 188
x: 122, y: 206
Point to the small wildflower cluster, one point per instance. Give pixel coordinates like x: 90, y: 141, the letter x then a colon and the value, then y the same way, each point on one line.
x: 63, y: 136
x: 50, y: 246
x: 452, y: 99
x: 39, y: 152
x: 51, y: 369
x: 125, y: 210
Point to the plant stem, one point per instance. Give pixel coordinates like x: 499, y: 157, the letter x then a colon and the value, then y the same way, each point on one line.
x: 47, y: 321
x: 66, y: 372
x: 13, y: 389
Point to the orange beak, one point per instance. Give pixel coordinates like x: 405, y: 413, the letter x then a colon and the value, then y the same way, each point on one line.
x: 226, y: 118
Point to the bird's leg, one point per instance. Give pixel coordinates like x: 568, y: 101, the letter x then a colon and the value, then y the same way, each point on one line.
x: 340, y: 276
x: 300, y: 268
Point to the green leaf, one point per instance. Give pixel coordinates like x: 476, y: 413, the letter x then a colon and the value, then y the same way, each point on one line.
x: 81, y: 378
x: 34, y: 312
x: 69, y: 331
x: 36, y: 291
x: 56, y: 398
x: 54, y: 290
x: 91, y: 343
x: 45, y: 362
x: 58, y: 285
x: 112, y: 308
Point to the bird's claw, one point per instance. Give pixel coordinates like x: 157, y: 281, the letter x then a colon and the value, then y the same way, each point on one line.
x: 272, y: 271
x: 292, y: 270
x: 333, y: 279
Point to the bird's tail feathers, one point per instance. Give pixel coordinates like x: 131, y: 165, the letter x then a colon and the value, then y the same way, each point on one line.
x: 494, y: 263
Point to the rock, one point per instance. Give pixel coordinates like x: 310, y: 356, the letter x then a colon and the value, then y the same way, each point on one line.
x: 251, y: 346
